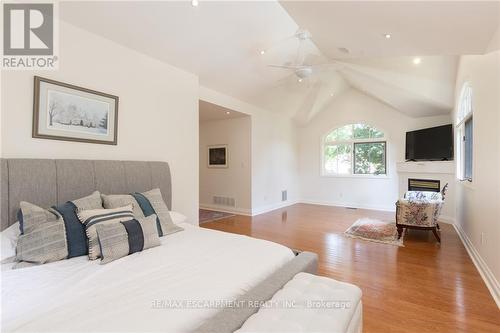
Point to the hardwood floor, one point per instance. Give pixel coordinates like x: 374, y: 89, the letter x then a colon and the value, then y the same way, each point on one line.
x: 422, y: 287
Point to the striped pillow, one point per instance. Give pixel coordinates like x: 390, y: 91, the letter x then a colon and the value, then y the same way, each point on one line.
x: 91, y: 218
x: 117, y: 240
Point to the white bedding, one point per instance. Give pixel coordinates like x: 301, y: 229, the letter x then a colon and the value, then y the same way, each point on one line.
x: 81, y: 295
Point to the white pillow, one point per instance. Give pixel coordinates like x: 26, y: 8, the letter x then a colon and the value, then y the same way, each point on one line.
x: 8, y: 241
x: 177, y: 217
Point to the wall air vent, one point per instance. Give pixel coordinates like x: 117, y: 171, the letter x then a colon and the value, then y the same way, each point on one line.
x: 223, y: 201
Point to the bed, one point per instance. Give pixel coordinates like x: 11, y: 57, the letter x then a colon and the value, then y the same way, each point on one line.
x: 179, y: 286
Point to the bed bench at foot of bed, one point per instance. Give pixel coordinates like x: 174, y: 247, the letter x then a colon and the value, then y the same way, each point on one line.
x: 310, y: 303
x: 293, y: 300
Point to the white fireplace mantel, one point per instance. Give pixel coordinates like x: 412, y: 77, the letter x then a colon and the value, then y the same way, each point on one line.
x: 446, y: 167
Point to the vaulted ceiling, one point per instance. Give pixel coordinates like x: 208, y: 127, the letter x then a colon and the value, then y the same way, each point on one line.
x: 221, y: 43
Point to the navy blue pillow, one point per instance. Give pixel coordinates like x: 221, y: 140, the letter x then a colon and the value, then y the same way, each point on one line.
x: 75, y: 230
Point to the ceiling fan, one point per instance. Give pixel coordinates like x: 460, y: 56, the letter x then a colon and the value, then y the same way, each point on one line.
x: 299, y: 67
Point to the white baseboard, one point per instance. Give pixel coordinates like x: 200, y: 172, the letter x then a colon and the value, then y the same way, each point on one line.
x: 485, y: 272
x: 225, y: 209
x: 347, y: 204
x: 442, y: 218
x: 268, y: 208
x: 246, y: 211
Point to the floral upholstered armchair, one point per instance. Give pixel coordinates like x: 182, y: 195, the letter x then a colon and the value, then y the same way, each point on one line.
x: 420, y: 210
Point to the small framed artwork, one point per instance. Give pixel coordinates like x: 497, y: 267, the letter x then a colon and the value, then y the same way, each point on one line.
x: 217, y: 156
x: 66, y: 112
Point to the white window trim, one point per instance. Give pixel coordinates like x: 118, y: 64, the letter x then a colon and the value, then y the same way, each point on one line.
x: 459, y: 134
x: 324, y: 143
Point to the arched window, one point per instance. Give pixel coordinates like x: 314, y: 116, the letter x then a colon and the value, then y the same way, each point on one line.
x: 357, y: 149
x: 464, y: 134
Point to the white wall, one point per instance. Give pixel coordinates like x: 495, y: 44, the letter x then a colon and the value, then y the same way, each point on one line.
x: 375, y: 193
x: 158, y: 110
x: 274, y: 152
x: 478, y: 209
x: 235, y: 180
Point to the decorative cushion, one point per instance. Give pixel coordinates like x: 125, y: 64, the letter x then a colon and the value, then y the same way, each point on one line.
x: 90, y: 219
x: 44, y: 236
x: 75, y: 231
x: 92, y: 201
x: 423, y: 195
x: 151, y: 202
x: 145, y: 204
x: 117, y: 240
x: 120, y: 200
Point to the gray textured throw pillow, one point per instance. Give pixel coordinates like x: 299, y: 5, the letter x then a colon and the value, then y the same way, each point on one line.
x: 119, y: 200
x: 117, y: 240
x: 92, y: 201
x: 44, y: 236
x: 161, y: 210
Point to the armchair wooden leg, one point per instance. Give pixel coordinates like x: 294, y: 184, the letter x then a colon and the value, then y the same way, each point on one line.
x: 435, y: 232
x: 400, y: 231
x: 437, y: 226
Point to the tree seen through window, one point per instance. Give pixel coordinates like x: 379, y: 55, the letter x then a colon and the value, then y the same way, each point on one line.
x: 354, y: 149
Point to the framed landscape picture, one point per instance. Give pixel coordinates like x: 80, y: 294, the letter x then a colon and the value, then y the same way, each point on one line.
x: 217, y: 156
x: 63, y: 111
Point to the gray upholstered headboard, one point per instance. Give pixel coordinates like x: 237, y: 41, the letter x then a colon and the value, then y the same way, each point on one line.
x: 50, y: 182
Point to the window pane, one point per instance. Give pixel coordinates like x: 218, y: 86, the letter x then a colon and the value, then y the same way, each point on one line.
x: 362, y: 131
x: 338, y: 159
x: 369, y: 158
x: 468, y: 150
x: 340, y: 134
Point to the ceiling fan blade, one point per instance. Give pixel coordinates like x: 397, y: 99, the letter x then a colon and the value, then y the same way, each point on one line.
x: 284, y: 81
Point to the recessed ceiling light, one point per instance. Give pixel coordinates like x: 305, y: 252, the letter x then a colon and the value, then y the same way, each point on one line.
x: 331, y: 94
x: 300, y: 80
x: 417, y: 61
x: 227, y: 112
x: 387, y: 36
x: 262, y: 52
x: 195, y: 3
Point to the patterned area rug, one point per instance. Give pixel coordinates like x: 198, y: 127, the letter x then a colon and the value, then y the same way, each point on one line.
x: 212, y: 215
x: 375, y: 231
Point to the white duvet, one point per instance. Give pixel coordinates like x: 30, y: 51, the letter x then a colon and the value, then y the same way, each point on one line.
x: 133, y: 293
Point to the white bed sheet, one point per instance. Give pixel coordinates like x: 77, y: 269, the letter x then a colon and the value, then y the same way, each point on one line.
x: 81, y: 295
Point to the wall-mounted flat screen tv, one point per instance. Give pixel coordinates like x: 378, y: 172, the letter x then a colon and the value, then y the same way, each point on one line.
x: 430, y: 144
